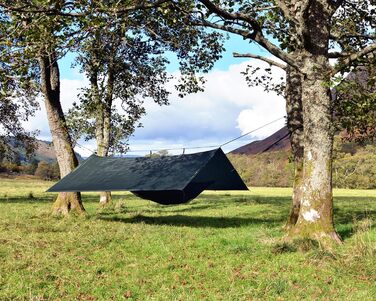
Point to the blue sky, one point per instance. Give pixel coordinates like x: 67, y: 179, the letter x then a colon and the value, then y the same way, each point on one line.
x: 227, y: 108
x: 233, y: 44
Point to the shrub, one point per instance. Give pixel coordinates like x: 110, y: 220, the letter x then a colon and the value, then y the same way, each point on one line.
x: 47, y: 171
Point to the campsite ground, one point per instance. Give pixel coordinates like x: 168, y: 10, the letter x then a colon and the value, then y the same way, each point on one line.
x: 221, y: 246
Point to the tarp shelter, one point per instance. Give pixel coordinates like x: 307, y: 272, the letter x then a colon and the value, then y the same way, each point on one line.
x: 165, y: 180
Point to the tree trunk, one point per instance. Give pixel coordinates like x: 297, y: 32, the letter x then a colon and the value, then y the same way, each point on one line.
x: 316, y: 207
x: 66, y: 158
x: 295, y: 126
x: 105, y: 197
x: 103, y: 122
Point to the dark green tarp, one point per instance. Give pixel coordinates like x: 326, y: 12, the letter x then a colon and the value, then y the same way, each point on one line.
x: 165, y: 180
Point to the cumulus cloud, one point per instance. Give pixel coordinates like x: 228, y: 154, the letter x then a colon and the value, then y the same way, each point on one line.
x: 226, y: 109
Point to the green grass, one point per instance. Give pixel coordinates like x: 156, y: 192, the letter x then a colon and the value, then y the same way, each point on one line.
x: 221, y: 246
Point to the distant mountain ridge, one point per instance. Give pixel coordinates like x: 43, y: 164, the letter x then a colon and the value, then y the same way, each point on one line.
x: 278, y: 141
x: 43, y: 152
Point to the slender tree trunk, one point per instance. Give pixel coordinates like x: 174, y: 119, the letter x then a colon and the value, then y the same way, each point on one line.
x: 316, y: 207
x: 105, y: 197
x: 295, y: 126
x: 66, y: 158
x: 103, y: 123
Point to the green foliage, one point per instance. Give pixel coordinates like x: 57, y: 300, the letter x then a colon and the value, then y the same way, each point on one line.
x: 160, y: 153
x: 354, y: 166
x: 355, y: 104
x: 270, y: 169
x: 122, y: 48
x: 10, y: 167
x: 31, y: 167
x: 217, y: 247
x: 47, y: 171
x: 357, y: 170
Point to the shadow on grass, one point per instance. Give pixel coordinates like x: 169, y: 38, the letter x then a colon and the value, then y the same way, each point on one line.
x: 192, y: 221
x: 346, y: 210
x: 26, y: 199
x: 270, y: 210
x: 49, y: 198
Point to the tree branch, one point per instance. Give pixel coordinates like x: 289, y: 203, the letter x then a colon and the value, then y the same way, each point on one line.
x: 244, y: 33
x: 55, y: 11
x: 337, y: 37
x: 265, y: 8
x: 350, y: 58
x: 273, y: 49
x: 285, y: 10
x: 231, y: 16
x: 335, y: 4
x: 259, y: 57
x: 256, y: 35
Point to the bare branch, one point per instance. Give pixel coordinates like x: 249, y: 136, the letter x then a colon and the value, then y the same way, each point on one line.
x: 259, y: 57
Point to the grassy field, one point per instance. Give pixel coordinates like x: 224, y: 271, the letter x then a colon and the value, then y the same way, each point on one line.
x: 221, y: 246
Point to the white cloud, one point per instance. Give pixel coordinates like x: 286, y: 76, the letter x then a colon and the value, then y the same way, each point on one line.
x: 68, y: 93
x: 226, y: 109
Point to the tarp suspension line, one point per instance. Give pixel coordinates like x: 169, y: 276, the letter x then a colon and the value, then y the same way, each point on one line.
x: 208, y: 146
x: 259, y: 128
x: 84, y: 147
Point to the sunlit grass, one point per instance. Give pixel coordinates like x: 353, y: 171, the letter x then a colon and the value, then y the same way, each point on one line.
x: 221, y: 246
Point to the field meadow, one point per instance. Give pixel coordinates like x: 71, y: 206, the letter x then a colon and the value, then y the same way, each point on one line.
x: 221, y: 246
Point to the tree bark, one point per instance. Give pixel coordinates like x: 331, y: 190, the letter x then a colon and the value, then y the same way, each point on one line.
x: 103, y: 122
x: 103, y: 146
x: 295, y: 126
x: 316, y: 206
x: 66, y: 158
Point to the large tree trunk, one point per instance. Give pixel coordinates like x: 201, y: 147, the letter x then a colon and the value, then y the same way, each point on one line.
x: 295, y: 126
x: 66, y: 158
x: 316, y: 207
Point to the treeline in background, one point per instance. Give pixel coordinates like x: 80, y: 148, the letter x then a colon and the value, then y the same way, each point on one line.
x: 354, y: 166
x: 42, y: 169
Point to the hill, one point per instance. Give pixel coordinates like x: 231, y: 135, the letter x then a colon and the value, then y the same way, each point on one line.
x: 44, y: 152
x: 276, y: 142
x: 268, y: 163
